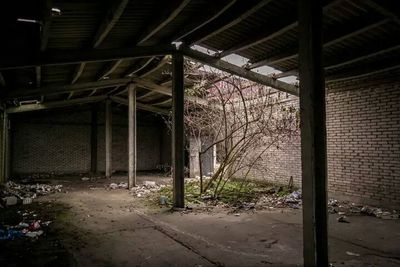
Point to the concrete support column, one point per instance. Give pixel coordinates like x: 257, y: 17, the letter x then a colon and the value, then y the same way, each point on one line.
x: 108, y: 129
x: 178, y: 157
x: 93, y: 140
x: 132, y: 160
x: 313, y: 134
x: 3, y: 146
x: 194, y: 148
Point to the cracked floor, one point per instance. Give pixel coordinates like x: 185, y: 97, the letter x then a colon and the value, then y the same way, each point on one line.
x: 111, y: 228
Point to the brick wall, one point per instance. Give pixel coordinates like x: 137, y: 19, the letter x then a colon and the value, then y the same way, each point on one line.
x: 364, y: 143
x: 50, y: 141
x: 363, y: 136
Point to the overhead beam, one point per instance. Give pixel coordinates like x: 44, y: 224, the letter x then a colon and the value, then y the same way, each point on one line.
x: 156, y: 27
x: 55, y: 104
x: 163, y: 102
x: 291, y: 54
x: 313, y: 135
x: 230, y: 20
x: 384, y: 11
x: 136, y: 69
x: 341, y: 62
x: 214, y: 12
x: 150, y: 108
x: 250, y: 42
x: 362, y: 75
x: 164, y: 61
x: 44, y: 38
x: 75, y: 56
x: 112, y: 17
x: 145, y: 95
x: 110, y: 69
x: 267, y: 35
x: 71, y: 88
x: 233, y: 69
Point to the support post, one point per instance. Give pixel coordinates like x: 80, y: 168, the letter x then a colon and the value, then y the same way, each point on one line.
x: 313, y: 134
x: 108, y: 129
x: 178, y: 156
x: 3, y: 146
x: 132, y: 135
x: 93, y: 140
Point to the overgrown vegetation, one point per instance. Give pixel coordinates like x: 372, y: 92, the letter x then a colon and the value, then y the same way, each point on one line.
x: 234, y: 192
x: 245, y: 120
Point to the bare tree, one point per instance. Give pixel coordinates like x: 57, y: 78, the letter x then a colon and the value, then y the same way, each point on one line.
x: 244, y: 119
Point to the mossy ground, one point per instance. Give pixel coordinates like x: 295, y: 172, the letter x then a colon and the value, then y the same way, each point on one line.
x: 234, y: 192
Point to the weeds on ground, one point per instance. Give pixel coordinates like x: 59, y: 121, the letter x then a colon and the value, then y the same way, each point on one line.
x: 234, y: 192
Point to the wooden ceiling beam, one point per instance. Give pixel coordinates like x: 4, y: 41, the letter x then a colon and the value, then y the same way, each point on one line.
x: 164, y: 61
x: 142, y: 106
x: 150, y: 93
x: 44, y: 38
x: 214, y: 12
x: 241, y: 72
x: 136, y: 69
x: 228, y: 21
x: 293, y: 53
x: 383, y: 10
x: 112, y: 17
x: 74, y: 56
x: 158, y: 25
x: 266, y: 36
x: 71, y: 88
x: 367, y: 73
x: 55, y: 104
x: 341, y: 62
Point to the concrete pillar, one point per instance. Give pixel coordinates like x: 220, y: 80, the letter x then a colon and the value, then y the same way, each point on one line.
x: 194, y: 148
x: 93, y: 140
x: 313, y: 134
x: 178, y: 146
x: 108, y: 129
x: 132, y: 160
x: 3, y: 145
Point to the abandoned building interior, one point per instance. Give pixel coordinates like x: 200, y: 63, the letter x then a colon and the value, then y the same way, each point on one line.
x: 112, y: 114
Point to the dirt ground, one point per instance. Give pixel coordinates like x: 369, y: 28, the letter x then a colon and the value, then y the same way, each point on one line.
x: 95, y: 226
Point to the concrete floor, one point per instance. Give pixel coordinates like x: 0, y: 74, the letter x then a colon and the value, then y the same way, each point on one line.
x: 112, y: 228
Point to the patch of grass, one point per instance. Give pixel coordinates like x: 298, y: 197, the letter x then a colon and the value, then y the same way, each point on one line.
x: 233, y: 192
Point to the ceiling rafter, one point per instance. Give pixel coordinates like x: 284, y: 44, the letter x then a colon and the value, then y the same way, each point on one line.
x: 112, y: 17
x: 74, y: 56
x: 264, y: 37
x: 55, y: 104
x: 230, y: 20
x: 44, y: 38
x: 136, y: 69
x: 239, y: 71
x: 153, y: 29
x: 192, y: 28
x: 291, y: 54
x: 139, y: 105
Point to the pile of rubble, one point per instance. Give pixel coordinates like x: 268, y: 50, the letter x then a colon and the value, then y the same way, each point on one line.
x: 347, y: 208
x: 32, y: 229
x: 12, y: 193
x: 292, y: 200
x: 146, y: 189
x: 121, y: 185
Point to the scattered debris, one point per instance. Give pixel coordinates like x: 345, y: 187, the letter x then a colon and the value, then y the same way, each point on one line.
x: 163, y: 200
x: 13, y: 193
x: 85, y: 179
x: 343, y: 219
x: 148, y: 188
x: 149, y: 183
x: 121, y: 185
x: 33, y: 229
x: 352, y: 254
